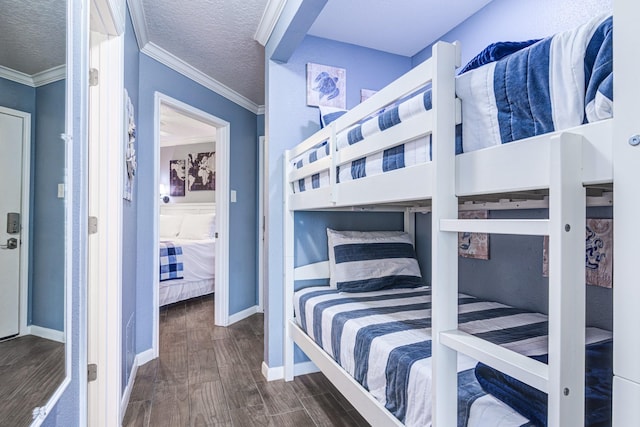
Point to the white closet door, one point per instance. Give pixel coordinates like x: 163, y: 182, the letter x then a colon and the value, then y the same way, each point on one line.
x: 11, y: 128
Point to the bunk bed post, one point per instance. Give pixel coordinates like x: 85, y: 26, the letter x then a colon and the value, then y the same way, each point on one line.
x: 626, y: 231
x: 288, y: 228
x: 444, y: 246
x: 567, y: 209
x: 410, y: 224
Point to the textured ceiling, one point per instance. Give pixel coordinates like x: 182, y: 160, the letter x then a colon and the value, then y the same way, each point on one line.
x: 32, y: 34
x: 177, y: 128
x: 214, y: 36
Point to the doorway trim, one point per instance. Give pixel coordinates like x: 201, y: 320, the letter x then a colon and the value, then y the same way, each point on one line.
x: 25, y: 191
x: 262, y: 222
x: 221, y: 286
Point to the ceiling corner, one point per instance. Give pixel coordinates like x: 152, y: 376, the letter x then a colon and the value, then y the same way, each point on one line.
x: 270, y: 17
x: 170, y: 60
x: 139, y: 22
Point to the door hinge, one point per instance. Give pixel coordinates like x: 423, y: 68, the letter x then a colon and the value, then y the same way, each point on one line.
x: 215, y: 235
x: 92, y: 372
x: 94, y: 77
x: 93, y: 224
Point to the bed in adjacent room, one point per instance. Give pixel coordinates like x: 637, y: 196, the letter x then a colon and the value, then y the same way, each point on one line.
x: 187, y: 253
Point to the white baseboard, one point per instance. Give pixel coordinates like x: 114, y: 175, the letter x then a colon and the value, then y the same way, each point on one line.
x: 277, y: 373
x: 144, y: 357
x: 243, y: 314
x: 127, y: 391
x: 50, y: 334
x: 140, y: 359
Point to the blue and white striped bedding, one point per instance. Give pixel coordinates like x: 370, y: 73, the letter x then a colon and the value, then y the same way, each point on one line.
x: 557, y: 83
x: 383, y: 340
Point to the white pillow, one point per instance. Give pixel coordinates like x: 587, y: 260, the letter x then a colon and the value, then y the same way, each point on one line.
x: 169, y: 225
x: 370, y: 261
x: 198, y: 226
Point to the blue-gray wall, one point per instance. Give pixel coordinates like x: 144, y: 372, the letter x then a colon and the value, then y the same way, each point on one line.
x: 156, y: 77
x: 503, y: 20
x: 129, y: 217
x: 288, y: 122
x: 48, y: 239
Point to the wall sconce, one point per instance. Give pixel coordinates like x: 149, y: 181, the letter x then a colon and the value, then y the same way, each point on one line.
x: 164, y: 196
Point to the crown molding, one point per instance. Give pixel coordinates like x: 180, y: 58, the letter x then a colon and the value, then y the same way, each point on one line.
x: 270, y: 17
x: 39, y: 79
x: 261, y: 109
x: 16, y: 76
x: 139, y: 22
x: 49, y: 76
x: 159, y: 54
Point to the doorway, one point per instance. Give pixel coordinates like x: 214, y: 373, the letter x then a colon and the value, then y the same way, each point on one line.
x: 221, y: 267
x: 15, y: 128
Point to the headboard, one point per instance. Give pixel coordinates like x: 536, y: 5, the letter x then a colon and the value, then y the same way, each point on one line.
x: 187, y: 208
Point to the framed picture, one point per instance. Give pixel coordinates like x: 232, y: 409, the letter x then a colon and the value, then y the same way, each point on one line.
x: 130, y: 162
x: 598, y: 253
x: 177, y: 175
x: 326, y: 86
x: 366, y: 94
x: 473, y: 245
x: 202, y: 174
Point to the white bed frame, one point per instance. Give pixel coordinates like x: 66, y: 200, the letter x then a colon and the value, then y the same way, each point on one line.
x: 562, y: 162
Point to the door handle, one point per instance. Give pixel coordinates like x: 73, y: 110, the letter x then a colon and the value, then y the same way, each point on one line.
x: 12, y: 243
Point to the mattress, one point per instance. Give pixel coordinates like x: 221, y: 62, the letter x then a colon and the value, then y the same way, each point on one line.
x: 383, y: 340
x: 198, y: 272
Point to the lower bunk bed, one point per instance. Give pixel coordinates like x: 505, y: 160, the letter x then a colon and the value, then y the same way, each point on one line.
x: 381, y: 340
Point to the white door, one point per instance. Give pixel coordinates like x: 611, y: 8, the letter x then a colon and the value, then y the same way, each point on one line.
x: 11, y: 135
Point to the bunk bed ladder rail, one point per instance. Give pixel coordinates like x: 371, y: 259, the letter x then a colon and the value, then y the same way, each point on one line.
x: 563, y: 377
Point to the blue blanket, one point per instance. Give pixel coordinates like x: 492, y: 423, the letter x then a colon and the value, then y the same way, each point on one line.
x: 557, y: 83
x: 532, y: 403
x: 171, y: 266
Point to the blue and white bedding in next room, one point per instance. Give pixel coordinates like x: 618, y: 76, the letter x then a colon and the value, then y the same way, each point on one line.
x: 383, y: 340
x: 507, y: 94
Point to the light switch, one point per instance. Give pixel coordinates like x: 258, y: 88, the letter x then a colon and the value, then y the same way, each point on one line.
x: 233, y: 196
x: 60, y: 191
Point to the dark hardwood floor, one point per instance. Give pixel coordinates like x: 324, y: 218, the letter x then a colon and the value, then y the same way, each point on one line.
x: 211, y: 376
x: 31, y: 369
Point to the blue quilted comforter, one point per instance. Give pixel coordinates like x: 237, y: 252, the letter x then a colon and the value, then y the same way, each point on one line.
x: 555, y: 83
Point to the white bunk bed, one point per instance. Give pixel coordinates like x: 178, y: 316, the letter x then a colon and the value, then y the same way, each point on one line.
x: 562, y: 162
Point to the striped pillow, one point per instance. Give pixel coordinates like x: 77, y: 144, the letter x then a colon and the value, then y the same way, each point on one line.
x: 369, y: 261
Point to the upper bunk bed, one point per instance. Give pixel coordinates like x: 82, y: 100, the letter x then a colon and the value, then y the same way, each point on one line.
x: 359, y: 158
x: 514, y: 140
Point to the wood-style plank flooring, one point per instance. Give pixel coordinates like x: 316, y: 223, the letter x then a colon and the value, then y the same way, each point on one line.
x: 211, y: 376
x: 31, y: 369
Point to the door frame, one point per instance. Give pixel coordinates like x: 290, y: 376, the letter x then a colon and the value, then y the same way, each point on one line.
x: 223, y: 132
x: 25, y: 192
x: 262, y: 222
x: 105, y: 185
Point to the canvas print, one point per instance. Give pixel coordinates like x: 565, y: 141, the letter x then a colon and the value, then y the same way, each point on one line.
x: 130, y: 158
x: 598, y: 253
x: 366, y: 94
x: 473, y: 245
x: 326, y: 86
x: 177, y: 175
x: 201, y: 175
